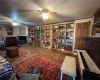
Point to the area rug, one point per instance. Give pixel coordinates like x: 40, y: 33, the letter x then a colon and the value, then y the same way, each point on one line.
x: 26, y: 59
x: 50, y: 69
x: 23, y: 55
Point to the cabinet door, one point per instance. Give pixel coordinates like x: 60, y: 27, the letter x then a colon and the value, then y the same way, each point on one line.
x: 82, y: 32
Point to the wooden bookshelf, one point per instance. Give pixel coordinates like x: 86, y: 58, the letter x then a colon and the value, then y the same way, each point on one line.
x: 62, y: 36
x: 56, y: 36
x: 47, y: 41
x: 31, y: 35
x: 42, y: 36
x: 59, y: 36
x: 69, y: 37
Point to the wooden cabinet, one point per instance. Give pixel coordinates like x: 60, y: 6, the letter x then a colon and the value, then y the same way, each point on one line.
x: 96, y: 26
x: 81, y: 34
x: 97, y: 16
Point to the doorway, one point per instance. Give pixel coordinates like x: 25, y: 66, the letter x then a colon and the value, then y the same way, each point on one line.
x: 38, y: 38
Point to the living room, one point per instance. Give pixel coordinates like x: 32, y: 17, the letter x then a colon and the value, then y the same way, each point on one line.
x: 51, y: 47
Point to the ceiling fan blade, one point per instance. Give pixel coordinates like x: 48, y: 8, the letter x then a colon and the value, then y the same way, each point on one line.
x: 39, y: 11
x: 4, y: 17
x: 26, y: 11
x: 53, y: 13
x: 5, y: 20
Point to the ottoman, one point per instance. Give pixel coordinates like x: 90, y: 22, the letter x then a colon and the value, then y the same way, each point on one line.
x: 12, y: 51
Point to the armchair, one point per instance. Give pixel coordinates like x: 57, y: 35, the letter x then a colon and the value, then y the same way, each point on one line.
x: 33, y: 74
x: 24, y: 76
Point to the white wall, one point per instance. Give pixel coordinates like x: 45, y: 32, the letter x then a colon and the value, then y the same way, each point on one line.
x: 15, y: 31
x: 4, y: 32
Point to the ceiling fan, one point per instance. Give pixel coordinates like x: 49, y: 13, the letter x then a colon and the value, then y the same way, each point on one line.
x: 46, y: 13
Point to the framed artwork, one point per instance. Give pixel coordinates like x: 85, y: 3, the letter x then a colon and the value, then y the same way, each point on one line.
x: 9, y: 33
x: 9, y: 29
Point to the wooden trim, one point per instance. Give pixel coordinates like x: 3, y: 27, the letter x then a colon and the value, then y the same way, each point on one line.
x: 96, y: 12
x: 51, y: 35
x: 83, y: 18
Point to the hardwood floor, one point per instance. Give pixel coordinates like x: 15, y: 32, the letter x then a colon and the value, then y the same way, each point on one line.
x: 49, y: 53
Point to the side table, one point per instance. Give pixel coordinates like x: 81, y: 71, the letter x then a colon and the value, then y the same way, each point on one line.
x: 12, y: 51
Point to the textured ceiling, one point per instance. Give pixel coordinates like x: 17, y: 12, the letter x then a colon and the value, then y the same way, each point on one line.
x: 25, y: 11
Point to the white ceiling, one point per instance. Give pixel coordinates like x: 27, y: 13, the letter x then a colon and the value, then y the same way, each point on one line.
x: 25, y: 11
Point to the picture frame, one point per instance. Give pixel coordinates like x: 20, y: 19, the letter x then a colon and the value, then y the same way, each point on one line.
x: 9, y: 29
x: 9, y: 33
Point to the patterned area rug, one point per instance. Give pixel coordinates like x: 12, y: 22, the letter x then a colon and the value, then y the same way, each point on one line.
x: 27, y: 59
x: 50, y: 69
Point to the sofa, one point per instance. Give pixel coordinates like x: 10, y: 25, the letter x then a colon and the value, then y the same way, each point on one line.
x: 32, y: 74
x: 5, y: 68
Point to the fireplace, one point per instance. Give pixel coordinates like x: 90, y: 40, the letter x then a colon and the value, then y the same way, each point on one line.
x: 22, y: 39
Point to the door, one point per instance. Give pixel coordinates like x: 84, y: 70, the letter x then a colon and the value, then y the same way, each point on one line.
x: 81, y: 34
x: 38, y: 38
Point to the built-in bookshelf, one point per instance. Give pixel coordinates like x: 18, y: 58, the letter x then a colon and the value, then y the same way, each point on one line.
x: 31, y: 35
x: 55, y: 37
x: 61, y: 36
x: 42, y: 36
x: 45, y: 36
x: 47, y: 41
x: 69, y: 37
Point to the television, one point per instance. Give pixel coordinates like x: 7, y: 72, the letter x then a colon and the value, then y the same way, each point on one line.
x: 88, y: 75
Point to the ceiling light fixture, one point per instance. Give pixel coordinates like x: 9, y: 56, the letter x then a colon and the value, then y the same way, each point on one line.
x: 15, y: 24
x: 45, y: 15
